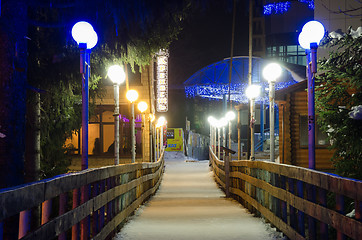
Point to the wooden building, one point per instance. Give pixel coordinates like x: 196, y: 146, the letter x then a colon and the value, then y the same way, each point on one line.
x: 293, y: 129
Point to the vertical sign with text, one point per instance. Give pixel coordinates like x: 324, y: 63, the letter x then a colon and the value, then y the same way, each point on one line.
x: 162, y: 81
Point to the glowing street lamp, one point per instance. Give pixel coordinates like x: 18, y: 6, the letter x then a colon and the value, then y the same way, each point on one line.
x: 212, y: 122
x: 85, y: 36
x: 309, y: 39
x: 142, y: 106
x: 252, y: 92
x: 230, y: 116
x: 117, y: 76
x: 132, y: 96
x: 271, y: 72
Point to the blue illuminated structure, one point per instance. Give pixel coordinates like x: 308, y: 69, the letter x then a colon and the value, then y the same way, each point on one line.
x: 212, y: 81
x: 282, y: 7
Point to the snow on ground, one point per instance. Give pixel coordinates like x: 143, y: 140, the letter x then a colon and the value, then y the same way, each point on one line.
x: 189, y: 205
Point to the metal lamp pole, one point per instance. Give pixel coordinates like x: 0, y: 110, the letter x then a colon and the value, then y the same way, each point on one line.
x: 132, y: 96
x: 252, y: 92
x: 117, y: 75
x: 84, y: 34
x: 271, y: 72
x: 312, y: 33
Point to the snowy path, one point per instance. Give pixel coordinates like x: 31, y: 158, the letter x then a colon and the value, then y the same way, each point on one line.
x: 189, y: 205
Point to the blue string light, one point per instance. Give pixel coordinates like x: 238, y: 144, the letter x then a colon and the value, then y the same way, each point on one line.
x: 309, y: 2
x: 282, y: 7
x: 237, y: 91
x: 276, y: 8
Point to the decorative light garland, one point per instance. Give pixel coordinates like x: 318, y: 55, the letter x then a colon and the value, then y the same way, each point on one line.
x: 237, y: 91
x: 282, y: 7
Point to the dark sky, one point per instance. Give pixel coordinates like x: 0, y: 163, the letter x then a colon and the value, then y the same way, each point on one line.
x: 206, y: 39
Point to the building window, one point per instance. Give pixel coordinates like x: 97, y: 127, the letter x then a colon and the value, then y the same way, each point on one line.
x: 320, y: 138
x: 290, y: 53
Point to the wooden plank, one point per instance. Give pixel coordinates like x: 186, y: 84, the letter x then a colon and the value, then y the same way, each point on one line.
x: 15, y: 200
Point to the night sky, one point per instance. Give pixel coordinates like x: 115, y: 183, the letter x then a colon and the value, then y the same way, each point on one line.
x: 205, y: 39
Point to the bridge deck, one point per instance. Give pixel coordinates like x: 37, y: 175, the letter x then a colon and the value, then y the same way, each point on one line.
x: 189, y: 205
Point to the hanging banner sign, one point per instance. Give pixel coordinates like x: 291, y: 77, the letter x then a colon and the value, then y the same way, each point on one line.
x: 162, y: 81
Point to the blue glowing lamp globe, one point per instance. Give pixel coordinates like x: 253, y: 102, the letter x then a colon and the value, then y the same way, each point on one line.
x: 83, y: 32
x: 312, y: 32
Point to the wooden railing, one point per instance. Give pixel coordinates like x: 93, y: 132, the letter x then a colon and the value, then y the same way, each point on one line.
x: 89, y: 204
x: 294, y: 199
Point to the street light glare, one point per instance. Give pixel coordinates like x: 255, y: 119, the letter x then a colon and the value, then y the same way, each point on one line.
x: 161, y: 121
x: 230, y: 115
x: 132, y: 95
x: 83, y: 32
x: 142, y: 106
x: 252, y: 91
x: 272, y: 71
x: 312, y: 32
x: 116, y: 74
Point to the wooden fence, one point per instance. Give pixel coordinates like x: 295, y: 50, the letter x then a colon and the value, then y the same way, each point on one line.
x: 89, y: 204
x: 294, y: 199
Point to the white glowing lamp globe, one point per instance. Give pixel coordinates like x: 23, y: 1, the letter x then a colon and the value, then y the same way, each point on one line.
x: 83, y: 32
x: 230, y: 115
x: 212, y: 121
x: 223, y: 122
x: 312, y: 32
x: 116, y: 74
x: 253, y: 91
x: 142, y: 106
x: 161, y: 121
x: 272, y: 71
x: 132, y: 95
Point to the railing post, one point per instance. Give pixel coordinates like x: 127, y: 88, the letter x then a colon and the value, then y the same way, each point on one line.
x: 24, y: 223
x: 292, y: 209
x: 62, y: 210
x: 323, y: 202
x: 46, y: 209
x: 102, y: 211
x: 357, y: 207
x: 84, y: 223
x: 284, y: 204
x: 300, y: 194
x: 227, y: 176
x: 95, y: 217
x: 340, y: 209
x: 311, y: 221
x: 1, y: 230
x: 75, y: 227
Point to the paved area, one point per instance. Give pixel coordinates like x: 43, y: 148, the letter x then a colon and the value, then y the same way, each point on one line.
x: 189, y: 205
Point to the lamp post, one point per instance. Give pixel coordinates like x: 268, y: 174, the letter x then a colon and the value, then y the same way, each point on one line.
x: 312, y: 33
x: 271, y: 72
x: 223, y: 123
x: 117, y: 76
x: 230, y: 116
x: 152, y: 134
x: 85, y: 36
x: 160, y: 123
x: 252, y: 92
x: 132, y: 96
x: 212, y: 122
x: 142, y: 106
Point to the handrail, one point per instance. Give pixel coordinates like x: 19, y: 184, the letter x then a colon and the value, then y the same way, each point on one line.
x: 292, y: 197
x: 112, y: 193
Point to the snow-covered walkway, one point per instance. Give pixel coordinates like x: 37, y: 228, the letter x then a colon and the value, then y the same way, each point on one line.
x: 189, y: 205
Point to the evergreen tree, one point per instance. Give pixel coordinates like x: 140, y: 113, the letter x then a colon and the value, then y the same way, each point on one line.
x: 337, y: 95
